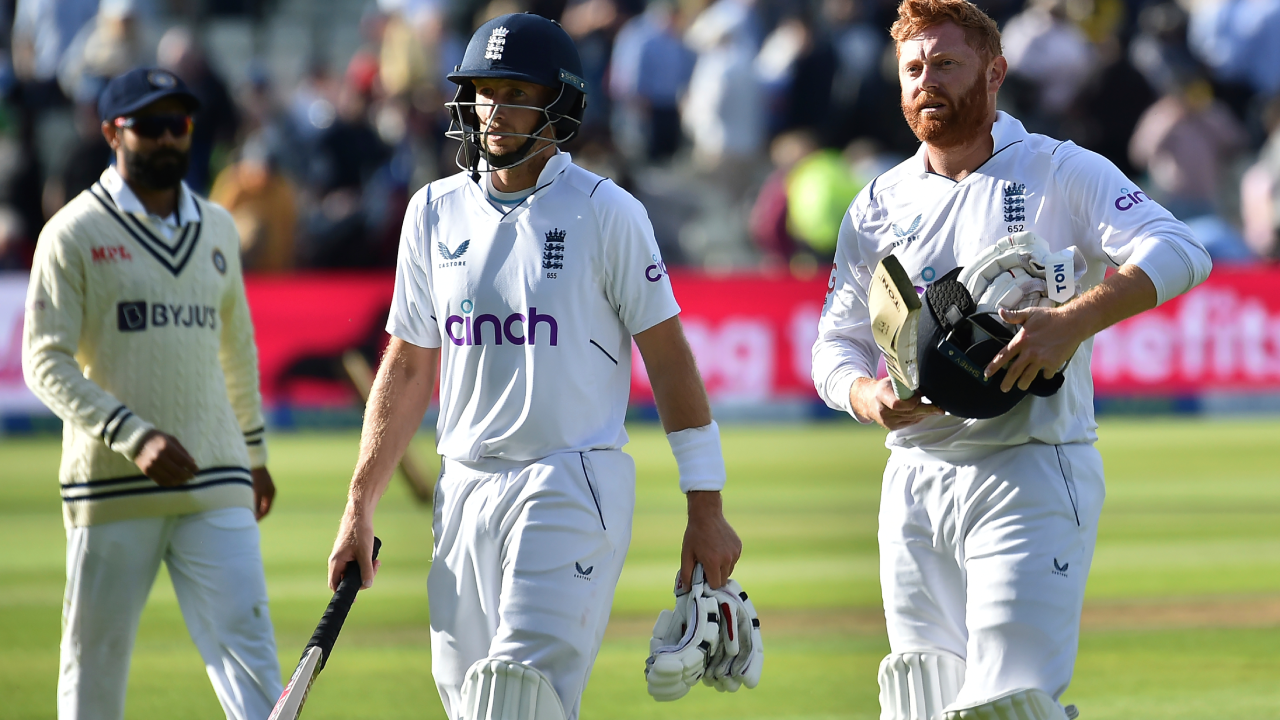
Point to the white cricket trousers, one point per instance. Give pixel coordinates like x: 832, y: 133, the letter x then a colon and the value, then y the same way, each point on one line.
x: 216, y: 567
x: 987, y: 559
x: 526, y: 559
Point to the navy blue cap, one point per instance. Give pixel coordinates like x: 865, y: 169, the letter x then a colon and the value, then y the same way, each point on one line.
x: 138, y: 88
x: 524, y: 47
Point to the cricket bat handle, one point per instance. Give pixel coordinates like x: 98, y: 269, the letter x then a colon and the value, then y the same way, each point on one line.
x: 335, y: 615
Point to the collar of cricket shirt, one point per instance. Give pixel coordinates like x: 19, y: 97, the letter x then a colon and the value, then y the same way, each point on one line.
x: 126, y: 200
x: 1005, y: 131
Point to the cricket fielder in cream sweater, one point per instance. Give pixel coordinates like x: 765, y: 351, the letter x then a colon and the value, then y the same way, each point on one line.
x: 138, y: 336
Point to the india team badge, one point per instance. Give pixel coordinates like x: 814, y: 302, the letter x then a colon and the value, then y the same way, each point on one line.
x: 219, y: 261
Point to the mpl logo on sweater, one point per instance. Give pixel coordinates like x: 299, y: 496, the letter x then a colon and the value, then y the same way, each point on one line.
x: 110, y: 254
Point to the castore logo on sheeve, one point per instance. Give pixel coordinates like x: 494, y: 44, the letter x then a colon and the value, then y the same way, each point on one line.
x: 583, y: 574
x: 463, y: 330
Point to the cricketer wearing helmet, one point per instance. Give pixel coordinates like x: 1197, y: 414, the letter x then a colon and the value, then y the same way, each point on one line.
x: 524, y: 279
x: 987, y: 523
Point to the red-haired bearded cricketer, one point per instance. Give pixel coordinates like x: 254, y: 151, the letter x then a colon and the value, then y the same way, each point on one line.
x: 988, y: 517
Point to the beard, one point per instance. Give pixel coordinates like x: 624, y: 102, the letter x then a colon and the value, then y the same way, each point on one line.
x: 160, y: 169
x: 960, y: 122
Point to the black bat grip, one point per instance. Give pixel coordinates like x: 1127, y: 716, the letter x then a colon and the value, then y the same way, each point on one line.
x: 336, y: 614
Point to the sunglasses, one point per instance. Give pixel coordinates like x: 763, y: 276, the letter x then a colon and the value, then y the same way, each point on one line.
x: 153, y: 126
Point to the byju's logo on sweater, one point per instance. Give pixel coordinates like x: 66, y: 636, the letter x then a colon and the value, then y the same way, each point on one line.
x: 131, y: 316
x: 452, y: 257
x: 135, y: 315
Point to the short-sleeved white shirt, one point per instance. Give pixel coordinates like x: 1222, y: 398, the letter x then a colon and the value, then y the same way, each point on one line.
x: 533, y: 310
x: 932, y: 224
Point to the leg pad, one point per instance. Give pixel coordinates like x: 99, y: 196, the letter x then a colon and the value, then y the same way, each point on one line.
x: 917, y: 686
x: 1029, y: 704
x: 503, y: 690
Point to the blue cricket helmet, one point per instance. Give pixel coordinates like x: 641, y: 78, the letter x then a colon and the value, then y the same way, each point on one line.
x: 527, y: 48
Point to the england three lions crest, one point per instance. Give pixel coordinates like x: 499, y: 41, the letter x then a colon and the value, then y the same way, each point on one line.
x: 553, y: 252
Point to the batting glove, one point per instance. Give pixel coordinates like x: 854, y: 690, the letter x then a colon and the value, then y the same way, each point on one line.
x: 682, y: 642
x: 739, y: 659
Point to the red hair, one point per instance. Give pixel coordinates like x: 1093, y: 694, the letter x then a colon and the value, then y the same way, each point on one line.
x: 980, y: 31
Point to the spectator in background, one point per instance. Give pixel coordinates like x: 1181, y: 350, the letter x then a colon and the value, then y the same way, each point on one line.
x: 343, y: 160
x: 1183, y: 142
x: 650, y: 70
x: 723, y: 112
x: 820, y: 189
x: 42, y: 32
x: 859, y: 46
x: 1260, y: 192
x: 768, y: 222
x: 1240, y: 41
x: 119, y: 38
x: 1159, y: 50
x: 797, y: 66
x: 593, y: 24
x: 1050, y: 56
x: 217, y: 121
x: 87, y: 159
x: 1108, y: 106
x: 263, y: 205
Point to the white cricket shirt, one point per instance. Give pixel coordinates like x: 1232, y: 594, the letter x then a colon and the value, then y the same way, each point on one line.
x: 1066, y: 195
x: 533, y: 310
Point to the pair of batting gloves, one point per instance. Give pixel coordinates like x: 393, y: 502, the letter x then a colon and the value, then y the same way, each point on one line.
x: 712, y: 636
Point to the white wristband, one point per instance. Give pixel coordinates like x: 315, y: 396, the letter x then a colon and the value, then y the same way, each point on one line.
x: 698, y: 457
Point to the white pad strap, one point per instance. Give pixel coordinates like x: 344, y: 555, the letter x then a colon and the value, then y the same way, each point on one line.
x: 1031, y: 704
x: 917, y: 686
x: 495, y: 689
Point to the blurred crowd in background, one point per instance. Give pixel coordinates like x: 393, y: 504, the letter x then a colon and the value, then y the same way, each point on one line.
x: 746, y: 127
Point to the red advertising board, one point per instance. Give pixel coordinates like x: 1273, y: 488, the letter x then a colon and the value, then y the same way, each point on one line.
x: 751, y: 334
x: 1222, y: 337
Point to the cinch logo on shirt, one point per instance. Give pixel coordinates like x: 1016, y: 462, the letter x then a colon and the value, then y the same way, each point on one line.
x: 1129, y: 199
x: 656, y: 271
x: 133, y: 316
x: 463, y: 330
x: 110, y: 254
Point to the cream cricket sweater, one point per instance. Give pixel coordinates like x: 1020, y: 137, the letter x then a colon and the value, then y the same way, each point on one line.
x: 134, y: 323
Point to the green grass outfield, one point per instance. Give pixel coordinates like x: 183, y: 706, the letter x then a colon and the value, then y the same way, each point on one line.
x: 1183, y: 618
